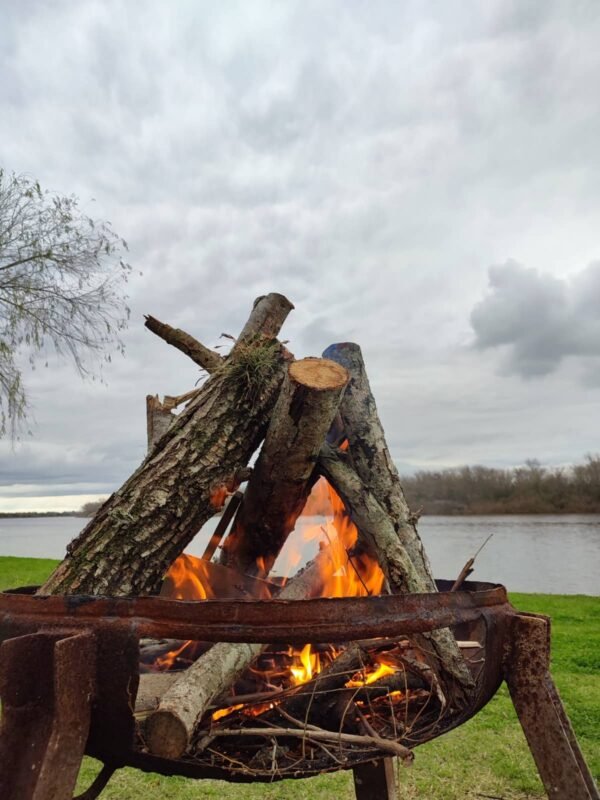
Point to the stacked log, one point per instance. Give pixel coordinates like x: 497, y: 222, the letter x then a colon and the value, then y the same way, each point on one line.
x: 315, y: 417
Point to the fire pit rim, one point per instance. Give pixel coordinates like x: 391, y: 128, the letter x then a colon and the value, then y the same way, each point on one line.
x: 315, y: 620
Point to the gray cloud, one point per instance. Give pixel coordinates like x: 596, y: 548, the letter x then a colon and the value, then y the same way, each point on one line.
x: 367, y: 159
x: 540, y: 320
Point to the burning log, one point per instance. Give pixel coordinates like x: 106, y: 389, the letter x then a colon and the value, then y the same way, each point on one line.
x: 170, y: 728
x: 371, y: 457
x: 127, y: 547
x: 278, y: 488
x: 379, y: 480
x: 380, y: 537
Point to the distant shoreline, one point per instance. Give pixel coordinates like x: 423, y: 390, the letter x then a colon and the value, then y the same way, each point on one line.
x: 34, y: 514
x: 432, y: 512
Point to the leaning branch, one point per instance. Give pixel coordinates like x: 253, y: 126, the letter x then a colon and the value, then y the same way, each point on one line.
x: 201, y: 355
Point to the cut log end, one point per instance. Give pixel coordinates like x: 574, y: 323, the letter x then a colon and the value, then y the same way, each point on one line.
x: 320, y: 374
x: 166, y: 734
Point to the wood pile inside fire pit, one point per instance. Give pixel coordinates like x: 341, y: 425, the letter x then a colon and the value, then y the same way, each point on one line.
x: 254, y: 707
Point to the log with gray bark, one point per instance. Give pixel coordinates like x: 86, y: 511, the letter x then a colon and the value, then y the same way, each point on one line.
x: 280, y: 483
x: 379, y: 536
x: 158, y: 420
x: 373, y: 464
x: 371, y: 457
x: 129, y: 544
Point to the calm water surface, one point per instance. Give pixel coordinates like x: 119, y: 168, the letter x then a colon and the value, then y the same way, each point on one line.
x: 553, y: 554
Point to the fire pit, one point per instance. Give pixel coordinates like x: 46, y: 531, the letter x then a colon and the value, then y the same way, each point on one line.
x: 356, y: 660
x: 69, y: 676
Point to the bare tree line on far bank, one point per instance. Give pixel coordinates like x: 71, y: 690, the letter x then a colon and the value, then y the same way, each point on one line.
x: 530, y: 489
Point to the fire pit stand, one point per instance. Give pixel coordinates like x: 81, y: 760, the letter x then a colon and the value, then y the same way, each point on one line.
x: 69, y: 673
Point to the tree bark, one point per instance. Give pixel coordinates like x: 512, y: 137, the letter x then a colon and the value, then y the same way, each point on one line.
x: 371, y: 457
x: 128, y: 546
x: 158, y: 420
x: 280, y: 483
x: 268, y: 315
x: 169, y: 729
x: 379, y: 535
x: 201, y: 355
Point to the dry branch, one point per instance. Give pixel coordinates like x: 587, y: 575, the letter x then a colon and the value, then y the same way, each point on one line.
x: 319, y: 734
x: 279, y: 486
x: 201, y: 355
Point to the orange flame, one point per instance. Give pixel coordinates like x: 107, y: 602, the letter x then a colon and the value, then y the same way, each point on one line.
x: 218, y: 496
x: 188, y: 579
x: 345, y: 575
x: 306, y: 664
x: 167, y: 660
x: 323, y: 520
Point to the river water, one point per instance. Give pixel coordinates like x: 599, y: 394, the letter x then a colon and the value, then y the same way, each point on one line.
x: 552, y: 554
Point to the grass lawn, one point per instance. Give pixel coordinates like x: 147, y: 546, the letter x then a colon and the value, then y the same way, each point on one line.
x: 487, y: 757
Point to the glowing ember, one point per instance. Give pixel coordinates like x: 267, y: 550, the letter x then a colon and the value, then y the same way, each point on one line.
x: 224, y: 712
x: 364, y: 679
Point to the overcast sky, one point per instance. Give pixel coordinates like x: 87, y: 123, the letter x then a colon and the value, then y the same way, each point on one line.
x: 420, y: 177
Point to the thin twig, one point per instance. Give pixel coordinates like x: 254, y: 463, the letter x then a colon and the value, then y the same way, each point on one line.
x: 322, y: 735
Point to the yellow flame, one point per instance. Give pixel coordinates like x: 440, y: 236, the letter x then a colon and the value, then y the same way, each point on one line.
x: 370, y: 677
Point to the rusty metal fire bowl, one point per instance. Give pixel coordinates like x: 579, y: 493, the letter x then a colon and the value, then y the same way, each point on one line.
x: 70, y: 671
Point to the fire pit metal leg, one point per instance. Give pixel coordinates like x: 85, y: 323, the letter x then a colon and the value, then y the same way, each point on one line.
x: 557, y: 755
x: 46, y: 686
x: 375, y: 780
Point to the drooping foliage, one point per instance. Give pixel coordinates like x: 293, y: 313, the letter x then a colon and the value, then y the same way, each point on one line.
x: 61, y: 287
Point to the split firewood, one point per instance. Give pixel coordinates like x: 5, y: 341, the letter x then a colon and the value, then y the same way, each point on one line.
x: 379, y: 536
x: 280, y: 483
x: 135, y: 536
x: 169, y: 729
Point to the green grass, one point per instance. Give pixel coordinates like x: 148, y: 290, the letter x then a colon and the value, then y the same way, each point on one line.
x: 485, y: 757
